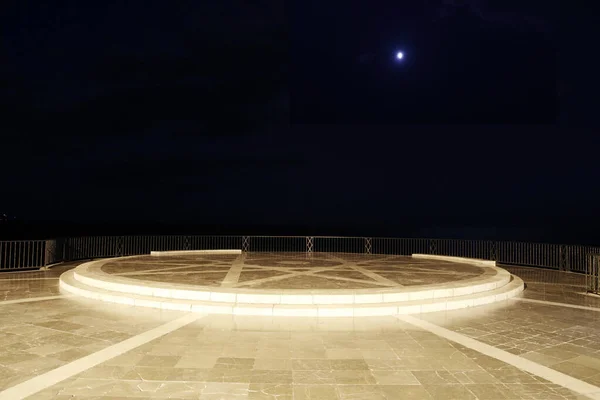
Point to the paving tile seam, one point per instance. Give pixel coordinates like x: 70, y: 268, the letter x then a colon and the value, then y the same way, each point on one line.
x: 467, y: 384
x: 29, y: 271
x: 73, y: 333
x: 557, y: 304
x: 290, y: 274
x: 374, y: 275
x: 312, y: 272
x: 555, y: 284
x: 549, y: 374
x: 25, y: 279
x: 54, y: 376
x: 371, y: 274
x: 33, y: 299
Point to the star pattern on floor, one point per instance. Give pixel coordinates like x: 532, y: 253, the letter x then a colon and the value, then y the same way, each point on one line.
x: 292, y: 270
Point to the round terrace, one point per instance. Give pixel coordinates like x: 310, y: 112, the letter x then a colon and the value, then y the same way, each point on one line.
x: 298, y: 318
x: 292, y: 284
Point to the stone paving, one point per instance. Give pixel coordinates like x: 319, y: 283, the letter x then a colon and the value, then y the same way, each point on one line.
x: 294, y: 270
x: 237, y: 357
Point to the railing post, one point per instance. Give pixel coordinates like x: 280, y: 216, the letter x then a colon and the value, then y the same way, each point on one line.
x: 309, y: 244
x: 368, y: 245
x: 48, y: 250
x: 121, y: 246
x: 564, y: 258
x: 593, y: 273
x: 432, y: 246
x: 494, y: 250
x: 596, y: 277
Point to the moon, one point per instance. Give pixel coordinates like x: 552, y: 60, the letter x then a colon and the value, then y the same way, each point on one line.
x: 399, y: 55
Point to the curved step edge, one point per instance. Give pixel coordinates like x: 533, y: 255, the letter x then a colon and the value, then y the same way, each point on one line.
x: 513, y: 288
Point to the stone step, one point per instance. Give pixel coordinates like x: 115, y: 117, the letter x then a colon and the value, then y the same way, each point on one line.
x: 513, y: 287
x: 91, y: 274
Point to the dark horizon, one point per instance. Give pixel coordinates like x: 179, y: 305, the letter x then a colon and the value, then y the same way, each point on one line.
x: 567, y: 231
x: 270, y: 115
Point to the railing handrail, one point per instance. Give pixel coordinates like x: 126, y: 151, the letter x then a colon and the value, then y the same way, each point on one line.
x: 24, y: 254
x: 305, y: 236
x: 25, y: 241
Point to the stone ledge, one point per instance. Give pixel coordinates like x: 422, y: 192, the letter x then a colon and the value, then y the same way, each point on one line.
x: 191, y: 252
x: 69, y: 284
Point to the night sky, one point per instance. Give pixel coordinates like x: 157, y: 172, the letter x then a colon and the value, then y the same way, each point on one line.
x: 291, y: 113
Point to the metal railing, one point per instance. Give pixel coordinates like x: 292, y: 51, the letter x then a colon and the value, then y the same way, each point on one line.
x: 19, y: 255
x: 592, y: 276
x: 25, y: 254
x: 117, y: 246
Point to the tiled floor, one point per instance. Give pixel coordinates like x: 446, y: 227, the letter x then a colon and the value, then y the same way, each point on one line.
x: 293, y: 270
x: 29, y: 284
x: 236, y: 357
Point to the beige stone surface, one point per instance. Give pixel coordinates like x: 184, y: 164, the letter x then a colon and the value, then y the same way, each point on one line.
x: 294, y: 270
x: 237, y: 357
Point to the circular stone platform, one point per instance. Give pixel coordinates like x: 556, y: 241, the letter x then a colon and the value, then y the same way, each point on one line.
x: 293, y: 284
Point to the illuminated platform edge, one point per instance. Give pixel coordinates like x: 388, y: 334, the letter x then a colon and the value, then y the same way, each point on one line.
x: 87, y: 280
x: 191, y: 252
